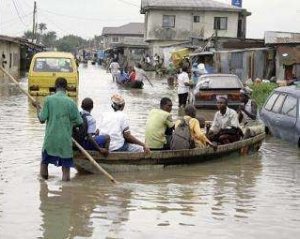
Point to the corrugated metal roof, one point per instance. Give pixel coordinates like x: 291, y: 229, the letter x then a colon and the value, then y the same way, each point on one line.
x: 132, y: 28
x: 281, y: 37
x: 20, y: 41
x: 189, y: 5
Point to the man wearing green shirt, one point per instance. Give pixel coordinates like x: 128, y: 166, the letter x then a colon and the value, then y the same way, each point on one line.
x: 159, y: 121
x: 60, y: 114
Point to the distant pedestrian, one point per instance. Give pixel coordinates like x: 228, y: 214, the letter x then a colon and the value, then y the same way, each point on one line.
x: 183, y: 83
x: 114, y: 69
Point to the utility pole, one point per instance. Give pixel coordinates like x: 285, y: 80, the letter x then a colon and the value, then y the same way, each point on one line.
x: 33, y: 24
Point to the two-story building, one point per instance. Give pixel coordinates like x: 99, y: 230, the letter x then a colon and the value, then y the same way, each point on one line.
x: 126, y: 43
x: 171, y: 21
x: 113, y: 36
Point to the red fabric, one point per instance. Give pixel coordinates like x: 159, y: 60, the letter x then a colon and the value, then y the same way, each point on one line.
x: 132, y: 76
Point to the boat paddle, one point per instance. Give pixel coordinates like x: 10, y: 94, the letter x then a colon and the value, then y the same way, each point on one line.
x: 75, y: 142
x: 148, y: 80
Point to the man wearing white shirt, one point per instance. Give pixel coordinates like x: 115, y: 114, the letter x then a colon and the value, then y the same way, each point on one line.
x: 183, y: 84
x: 115, y: 124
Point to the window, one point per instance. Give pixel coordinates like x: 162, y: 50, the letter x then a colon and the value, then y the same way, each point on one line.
x: 53, y: 65
x: 289, y: 106
x: 271, y: 101
x: 278, y: 103
x: 168, y: 21
x: 220, y: 23
x: 115, y: 39
x: 197, y: 19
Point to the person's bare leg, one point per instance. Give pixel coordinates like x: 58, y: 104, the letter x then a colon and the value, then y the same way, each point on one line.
x: 44, y: 171
x: 65, y: 174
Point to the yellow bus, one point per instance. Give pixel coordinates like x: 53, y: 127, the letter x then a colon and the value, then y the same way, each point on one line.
x: 46, y: 67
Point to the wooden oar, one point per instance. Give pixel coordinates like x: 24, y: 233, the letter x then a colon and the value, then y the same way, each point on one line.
x: 17, y: 83
x: 76, y: 143
x: 93, y: 161
x: 149, y: 80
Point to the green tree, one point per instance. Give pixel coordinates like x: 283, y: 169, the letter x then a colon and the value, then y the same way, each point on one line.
x: 42, y: 27
x: 28, y: 34
x: 70, y: 43
x: 49, y: 39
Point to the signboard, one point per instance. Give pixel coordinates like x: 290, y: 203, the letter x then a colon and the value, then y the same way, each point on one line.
x: 237, y: 3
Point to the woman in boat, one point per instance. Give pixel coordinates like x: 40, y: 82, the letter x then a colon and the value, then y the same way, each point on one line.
x: 115, y: 124
x: 197, y: 135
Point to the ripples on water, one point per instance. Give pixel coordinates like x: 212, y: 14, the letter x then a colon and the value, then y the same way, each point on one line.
x: 254, y: 196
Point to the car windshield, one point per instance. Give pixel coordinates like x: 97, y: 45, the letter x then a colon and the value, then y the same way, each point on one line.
x: 53, y: 65
x: 219, y: 82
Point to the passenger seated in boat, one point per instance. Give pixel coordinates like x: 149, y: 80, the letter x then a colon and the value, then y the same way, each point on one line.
x: 225, y: 127
x: 140, y: 74
x: 132, y: 74
x: 197, y: 134
x: 115, y: 124
x: 247, y: 115
x: 93, y: 140
x: 123, y: 77
x: 159, y: 126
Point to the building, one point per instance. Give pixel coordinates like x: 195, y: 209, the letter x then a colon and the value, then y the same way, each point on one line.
x: 113, y: 36
x: 126, y: 43
x: 16, y: 54
x: 175, y: 21
x: 287, y: 47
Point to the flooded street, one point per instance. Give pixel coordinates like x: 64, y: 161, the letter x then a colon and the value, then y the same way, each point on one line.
x: 256, y: 196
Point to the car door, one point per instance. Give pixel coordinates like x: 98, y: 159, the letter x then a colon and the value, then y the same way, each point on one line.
x: 273, y: 115
x: 286, y: 120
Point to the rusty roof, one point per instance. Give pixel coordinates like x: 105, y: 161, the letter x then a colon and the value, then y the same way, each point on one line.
x: 20, y: 41
x: 132, y: 28
x: 273, y: 37
x: 194, y: 5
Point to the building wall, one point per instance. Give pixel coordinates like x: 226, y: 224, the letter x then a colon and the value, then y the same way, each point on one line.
x: 11, y: 51
x: 185, y: 27
x: 108, y: 40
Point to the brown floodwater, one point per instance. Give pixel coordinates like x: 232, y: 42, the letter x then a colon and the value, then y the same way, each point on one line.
x: 256, y: 196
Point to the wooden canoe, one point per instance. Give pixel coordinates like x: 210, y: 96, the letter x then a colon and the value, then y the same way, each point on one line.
x: 137, y: 84
x: 125, y: 161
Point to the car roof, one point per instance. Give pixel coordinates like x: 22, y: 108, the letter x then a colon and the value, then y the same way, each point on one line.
x: 54, y: 54
x: 294, y: 90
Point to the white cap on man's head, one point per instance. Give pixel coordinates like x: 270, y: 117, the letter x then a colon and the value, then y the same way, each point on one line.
x: 118, y: 99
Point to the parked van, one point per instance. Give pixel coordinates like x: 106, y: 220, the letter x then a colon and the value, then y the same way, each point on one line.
x: 46, y: 67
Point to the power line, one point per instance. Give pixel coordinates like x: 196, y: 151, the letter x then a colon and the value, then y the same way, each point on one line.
x: 18, y: 13
x: 129, y: 3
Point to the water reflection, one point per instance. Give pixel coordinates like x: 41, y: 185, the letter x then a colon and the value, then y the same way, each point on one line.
x: 172, y: 198
x: 229, y: 198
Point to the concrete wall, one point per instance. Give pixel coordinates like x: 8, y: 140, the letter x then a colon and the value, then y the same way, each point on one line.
x: 11, y: 51
x: 185, y: 27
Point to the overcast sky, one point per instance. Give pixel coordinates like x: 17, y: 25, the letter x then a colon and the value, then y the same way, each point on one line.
x: 86, y: 18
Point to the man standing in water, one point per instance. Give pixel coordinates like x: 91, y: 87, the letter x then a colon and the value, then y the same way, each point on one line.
x: 60, y: 114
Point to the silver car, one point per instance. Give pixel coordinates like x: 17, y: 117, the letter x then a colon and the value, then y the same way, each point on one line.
x: 280, y: 114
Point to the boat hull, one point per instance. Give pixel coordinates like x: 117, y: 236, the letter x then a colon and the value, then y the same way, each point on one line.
x: 126, y: 161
